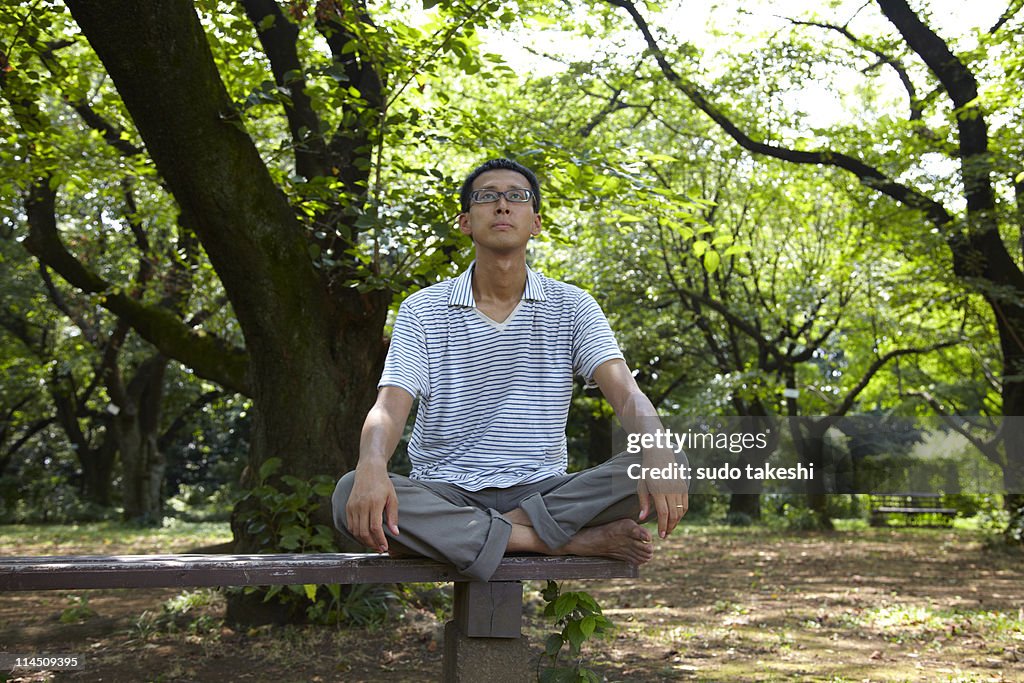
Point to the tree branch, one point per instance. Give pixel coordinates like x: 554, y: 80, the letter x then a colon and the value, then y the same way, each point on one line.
x: 868, y: 175
x: 209, y: 357
x: 279, y: 37
x: 169, y: 434
x: 878, y: 364
x: 1011, y: 10
x: 985, y: 254
x: 161, y: 63
x: 89, y: 330
x: 883, y: 58
x: 989, y: 448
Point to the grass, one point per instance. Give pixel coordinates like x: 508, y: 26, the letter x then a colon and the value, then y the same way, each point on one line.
x: 109, y: 538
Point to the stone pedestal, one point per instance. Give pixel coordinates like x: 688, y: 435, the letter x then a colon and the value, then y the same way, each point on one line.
x: 476, y: 660
x: 484, y: 641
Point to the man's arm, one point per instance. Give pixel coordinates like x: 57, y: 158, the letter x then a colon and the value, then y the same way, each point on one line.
x: 637, y: 415
x: 373, y: 495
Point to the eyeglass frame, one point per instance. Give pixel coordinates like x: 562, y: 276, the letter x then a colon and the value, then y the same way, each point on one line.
x: 528, y: 196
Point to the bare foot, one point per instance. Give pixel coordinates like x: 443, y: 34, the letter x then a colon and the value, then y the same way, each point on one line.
x: 623, y: 539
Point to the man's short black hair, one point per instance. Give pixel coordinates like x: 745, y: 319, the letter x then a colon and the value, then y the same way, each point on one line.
x: 500, y: 165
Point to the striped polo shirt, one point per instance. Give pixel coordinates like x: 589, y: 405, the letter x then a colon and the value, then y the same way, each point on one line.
x: 494, y: 397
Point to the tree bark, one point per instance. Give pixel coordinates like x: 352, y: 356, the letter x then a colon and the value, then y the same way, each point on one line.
x: 137, y: 428
x: 315, y: 349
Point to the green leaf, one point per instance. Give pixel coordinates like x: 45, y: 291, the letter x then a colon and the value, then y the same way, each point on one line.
x: 565, y: 604
x: 310, y: 591
x: 266, y: 22
x: 552, y: 644
x: 711, y: 261
x: 575, y: 635
x: 587, y: 626
x: 588, y: 602
x: 269, y: 466
x: 699, y: 247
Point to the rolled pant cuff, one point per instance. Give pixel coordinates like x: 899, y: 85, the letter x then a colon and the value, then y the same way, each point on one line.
x: 544, y: 524
x: 493, y: 550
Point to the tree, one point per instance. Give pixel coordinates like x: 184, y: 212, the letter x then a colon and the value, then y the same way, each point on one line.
x: 266, y: 134
x: 980, y: 255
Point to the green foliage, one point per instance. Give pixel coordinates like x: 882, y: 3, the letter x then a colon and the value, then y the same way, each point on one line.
x: 78, y: 611
x: 799, y: 518
x: 279, y: 517
x: 579, y: 618
x: 41, y: 487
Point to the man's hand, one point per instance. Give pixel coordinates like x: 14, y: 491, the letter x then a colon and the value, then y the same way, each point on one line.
x: 668, y: 497
x: 372, y: 500
x: 373, y: 496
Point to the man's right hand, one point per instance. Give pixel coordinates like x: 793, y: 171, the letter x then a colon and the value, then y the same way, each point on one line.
x: 373, y: 496
x: 372, y: 501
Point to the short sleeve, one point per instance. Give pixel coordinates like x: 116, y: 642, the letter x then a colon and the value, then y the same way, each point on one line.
x: 407, y: 364
x: 593, y: 342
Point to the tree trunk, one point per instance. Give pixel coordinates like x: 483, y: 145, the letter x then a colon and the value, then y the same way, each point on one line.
x: 309, y: 407
x: 98, y: 471
x: 137, y: 428
x: 809, y: 440
x: 142, y: 471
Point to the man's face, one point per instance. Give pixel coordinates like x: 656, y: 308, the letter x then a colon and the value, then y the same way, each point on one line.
x: 502, y: 225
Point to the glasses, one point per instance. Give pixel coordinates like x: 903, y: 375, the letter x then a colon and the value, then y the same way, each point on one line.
x: 516, y: 196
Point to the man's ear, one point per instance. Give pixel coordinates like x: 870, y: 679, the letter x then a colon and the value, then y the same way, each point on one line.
x: 535, y: 228
x: 464, y: 226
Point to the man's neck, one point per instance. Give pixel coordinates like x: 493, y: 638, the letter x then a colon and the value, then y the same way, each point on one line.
x: 499, y: 278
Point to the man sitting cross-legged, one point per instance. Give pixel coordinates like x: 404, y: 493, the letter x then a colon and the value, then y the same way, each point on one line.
x: 491, y: 356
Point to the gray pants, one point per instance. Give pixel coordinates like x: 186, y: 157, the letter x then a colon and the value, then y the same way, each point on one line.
x: 466, y: 528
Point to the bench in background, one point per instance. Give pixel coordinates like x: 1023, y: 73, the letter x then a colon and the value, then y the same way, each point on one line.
x: 915, y: 509
x: 483, y: 641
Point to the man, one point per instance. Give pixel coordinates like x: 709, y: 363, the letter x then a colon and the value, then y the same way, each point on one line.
x: 491, y: 356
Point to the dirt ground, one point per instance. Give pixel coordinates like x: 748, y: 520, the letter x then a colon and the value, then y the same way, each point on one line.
x: 716, y: 604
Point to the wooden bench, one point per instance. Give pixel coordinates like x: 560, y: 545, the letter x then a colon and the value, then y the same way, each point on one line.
x: 483, y: 641
x: 916, y: 509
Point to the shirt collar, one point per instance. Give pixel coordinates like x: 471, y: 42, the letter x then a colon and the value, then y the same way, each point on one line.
x: 462, y: 288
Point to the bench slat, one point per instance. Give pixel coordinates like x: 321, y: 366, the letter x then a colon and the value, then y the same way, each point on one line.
x: 60, y: 572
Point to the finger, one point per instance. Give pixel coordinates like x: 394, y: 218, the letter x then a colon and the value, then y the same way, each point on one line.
x: 679, y: 507
x: 661, y: 505
x: 675, y: 513
x: 374, y: 528
x: 391, y: 512
x: 645, y: 500
x: 356, y: 527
